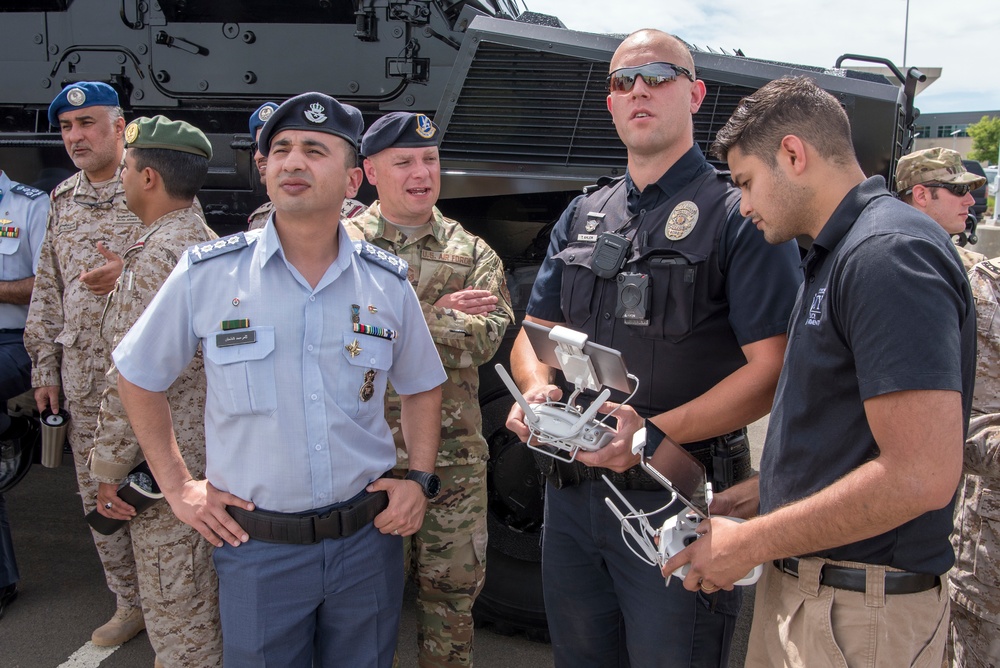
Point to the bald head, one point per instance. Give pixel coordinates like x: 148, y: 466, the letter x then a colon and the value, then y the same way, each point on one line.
x: 651, y: 46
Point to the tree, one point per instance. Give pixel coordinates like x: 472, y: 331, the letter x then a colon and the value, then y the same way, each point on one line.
x: 985, y: 139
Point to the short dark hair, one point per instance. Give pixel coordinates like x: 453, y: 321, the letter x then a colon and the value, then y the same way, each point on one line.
x: 787, y: 106
x: 183, y: 173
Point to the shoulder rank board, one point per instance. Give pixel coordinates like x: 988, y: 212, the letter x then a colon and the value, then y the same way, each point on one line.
x: 206, y: 251
x: 382, y: 258
x: 27, y: 191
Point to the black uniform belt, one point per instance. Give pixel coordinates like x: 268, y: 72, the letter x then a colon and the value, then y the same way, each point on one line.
x: 853, y: 579
x: 310, y: 528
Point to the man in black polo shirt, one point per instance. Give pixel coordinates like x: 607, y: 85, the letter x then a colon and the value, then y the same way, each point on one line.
x: 864, y: 449
x: 707, y: 348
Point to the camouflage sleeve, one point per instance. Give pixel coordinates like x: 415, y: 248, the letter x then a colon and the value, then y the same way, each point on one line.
x: 115, y: 445
x: 45, y: 313
x: 471, y: 340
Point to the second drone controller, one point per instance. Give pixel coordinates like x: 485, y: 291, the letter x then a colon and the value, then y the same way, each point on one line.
x: 677, y: 533
x: 557, y: 423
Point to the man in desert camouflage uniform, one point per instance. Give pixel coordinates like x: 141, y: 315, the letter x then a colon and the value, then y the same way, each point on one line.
x: 974, y: 640
x: 165, y: 166
x: 460, y: 283
x: 936, y: 182
x: 351, y: 207
x: 88, y: 227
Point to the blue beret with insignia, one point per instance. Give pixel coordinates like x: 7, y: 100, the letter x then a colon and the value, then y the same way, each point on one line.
x: 315, y: 112
x: 260, y: 117
x: 382, y: 258
x: 81, y: 95
x: 210, y: 249
x: 399, y: 129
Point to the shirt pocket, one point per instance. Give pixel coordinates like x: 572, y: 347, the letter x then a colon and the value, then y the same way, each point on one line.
x: 77, y: 364
x: 373, y: 355
x: 245, y: 371
x: 579, y: 291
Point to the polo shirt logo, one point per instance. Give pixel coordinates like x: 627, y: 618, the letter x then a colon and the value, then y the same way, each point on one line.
x: 816, y: 309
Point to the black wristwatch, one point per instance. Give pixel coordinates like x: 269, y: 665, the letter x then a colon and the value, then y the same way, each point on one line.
x: 429, y: 482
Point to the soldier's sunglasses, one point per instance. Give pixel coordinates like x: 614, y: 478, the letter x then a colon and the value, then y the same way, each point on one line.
x: 956, y: 189
x: 653, y: 74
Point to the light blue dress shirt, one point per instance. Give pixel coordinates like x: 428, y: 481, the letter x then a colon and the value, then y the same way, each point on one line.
x: 285, y: 422
x: 25, y: 209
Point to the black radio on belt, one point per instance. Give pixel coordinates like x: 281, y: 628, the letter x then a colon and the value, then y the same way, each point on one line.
x: 610, y: 252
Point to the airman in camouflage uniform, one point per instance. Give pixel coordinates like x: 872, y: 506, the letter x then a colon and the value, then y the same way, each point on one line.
x: 460, y: 283
x: 87, y: 220
x: 975, y: 579
x: 176, y: 576
x: 936, y: 182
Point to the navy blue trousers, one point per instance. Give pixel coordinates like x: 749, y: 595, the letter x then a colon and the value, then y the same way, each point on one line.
x: 15, y: 378
x: 607, y: 608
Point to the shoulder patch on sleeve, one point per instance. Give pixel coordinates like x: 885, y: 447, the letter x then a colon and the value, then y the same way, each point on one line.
x: 990, y: 267
x: 382, y: 258
x: 27, y: 191
x: 206, y: 251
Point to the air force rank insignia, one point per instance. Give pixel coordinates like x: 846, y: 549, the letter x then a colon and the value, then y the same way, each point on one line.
x: 425, y: 128
x: 315, y: 113
x: 382, y: 258
x: 206, y: 251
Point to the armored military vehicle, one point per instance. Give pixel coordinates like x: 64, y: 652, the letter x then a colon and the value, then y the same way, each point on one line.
x: 519, y: 98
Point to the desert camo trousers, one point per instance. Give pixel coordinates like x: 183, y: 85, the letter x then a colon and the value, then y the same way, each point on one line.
x: 447, y: 558
x: 115, y: 550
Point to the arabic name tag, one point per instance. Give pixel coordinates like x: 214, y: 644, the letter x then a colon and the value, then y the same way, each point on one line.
x: 227, y: 339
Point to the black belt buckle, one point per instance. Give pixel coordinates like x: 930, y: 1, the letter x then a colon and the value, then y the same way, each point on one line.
x: 327, y: 526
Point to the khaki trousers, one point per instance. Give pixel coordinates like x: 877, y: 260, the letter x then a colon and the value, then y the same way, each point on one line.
x: 799, y: 623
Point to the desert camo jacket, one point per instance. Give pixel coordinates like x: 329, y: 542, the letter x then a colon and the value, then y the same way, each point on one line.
x: 444, y: 258
x: 975, y: 579
x: 147, y: 263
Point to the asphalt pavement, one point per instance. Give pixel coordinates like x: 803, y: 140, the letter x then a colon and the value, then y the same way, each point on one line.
x: 63, y: 596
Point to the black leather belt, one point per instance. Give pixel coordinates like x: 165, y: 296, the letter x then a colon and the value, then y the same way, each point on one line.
x: 853, y: 579
x: 310, y: 528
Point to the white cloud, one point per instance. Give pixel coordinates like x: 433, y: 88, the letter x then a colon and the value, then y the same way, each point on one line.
x: 965, y: 42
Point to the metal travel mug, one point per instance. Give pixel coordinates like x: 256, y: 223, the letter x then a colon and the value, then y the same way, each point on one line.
x: 53, y: 437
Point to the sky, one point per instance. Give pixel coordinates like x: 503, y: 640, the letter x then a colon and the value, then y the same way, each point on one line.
x: 965, y: 42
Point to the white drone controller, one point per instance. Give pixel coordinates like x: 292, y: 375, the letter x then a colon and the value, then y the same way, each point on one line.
x: 561, y: 429
x: 684, y: 476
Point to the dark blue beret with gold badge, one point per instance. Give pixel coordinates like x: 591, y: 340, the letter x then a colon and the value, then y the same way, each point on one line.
x: 315, y: 112
x: 399, y: 129
x: 81, y: 95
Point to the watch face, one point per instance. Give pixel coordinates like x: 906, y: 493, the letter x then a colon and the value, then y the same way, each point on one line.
x: 433, y: 486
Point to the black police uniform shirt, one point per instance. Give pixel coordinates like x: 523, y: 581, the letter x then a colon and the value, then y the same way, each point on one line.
x: 885, y: 307
x: 741, y: 289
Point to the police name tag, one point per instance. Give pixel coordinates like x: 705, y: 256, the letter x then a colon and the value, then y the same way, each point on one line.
x: 227, y: 339
x: 587, y: 238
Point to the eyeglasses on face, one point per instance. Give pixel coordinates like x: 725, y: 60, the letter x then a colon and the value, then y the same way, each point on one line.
x: 956, y: 189
x: 653, y: 74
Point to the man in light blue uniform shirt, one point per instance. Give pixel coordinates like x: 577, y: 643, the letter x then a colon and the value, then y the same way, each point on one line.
x: 301, y: 329
x: 23, y: 212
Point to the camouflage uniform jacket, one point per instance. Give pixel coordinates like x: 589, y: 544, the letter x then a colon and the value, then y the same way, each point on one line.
x: 258, y: 218
x: 147, y: 263
x: 970, y: 258
x: 61, y: 334
x: 975, y: 579
x: 444, y: 258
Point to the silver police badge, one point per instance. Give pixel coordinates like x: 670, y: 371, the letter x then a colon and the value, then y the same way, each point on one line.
x: 681, y: 220
x: 265, y: 113
x: 425, y: 128
x: 76, y: 96
x: 315, y: 113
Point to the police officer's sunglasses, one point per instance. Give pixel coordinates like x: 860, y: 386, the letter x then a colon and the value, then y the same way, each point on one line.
x: 956, y: 189
x: 653, y: 74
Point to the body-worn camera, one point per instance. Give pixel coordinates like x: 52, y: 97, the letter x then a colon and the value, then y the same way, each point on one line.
x: 633, y: 299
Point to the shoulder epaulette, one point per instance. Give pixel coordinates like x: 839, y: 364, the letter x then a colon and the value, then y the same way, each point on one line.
x: 206, y: 251
x: 990, y: 267
x: 27, y: 191
x: 67, y: 185
x: 382, y: 258
x: 602, y: 182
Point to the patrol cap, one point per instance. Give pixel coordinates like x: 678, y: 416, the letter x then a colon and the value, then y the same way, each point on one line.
x: 81, y: 95
x: 399, y: 129
x: 315, y: 112
x: 933, y: 165
x: 259, y: 117
x: 161, y: 132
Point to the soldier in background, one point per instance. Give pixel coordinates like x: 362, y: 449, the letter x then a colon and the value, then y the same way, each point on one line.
x: 352, y: 207
x: 974, y: 639
x: 88, y: 227
x: 936, y: 182
x: 460, y: 283
x: 165, y: 167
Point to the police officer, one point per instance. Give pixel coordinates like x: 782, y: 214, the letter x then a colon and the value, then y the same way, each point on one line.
x: 89, y: 226
x: 936, y: 182
x: 301, y: 331
x: 260, y: 215
x: 165, y: 166
x: 460, y: 283
x: 706, y: 340
x: 22, y: 227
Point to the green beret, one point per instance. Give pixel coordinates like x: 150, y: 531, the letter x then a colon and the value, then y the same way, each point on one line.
x: 161, y: 132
